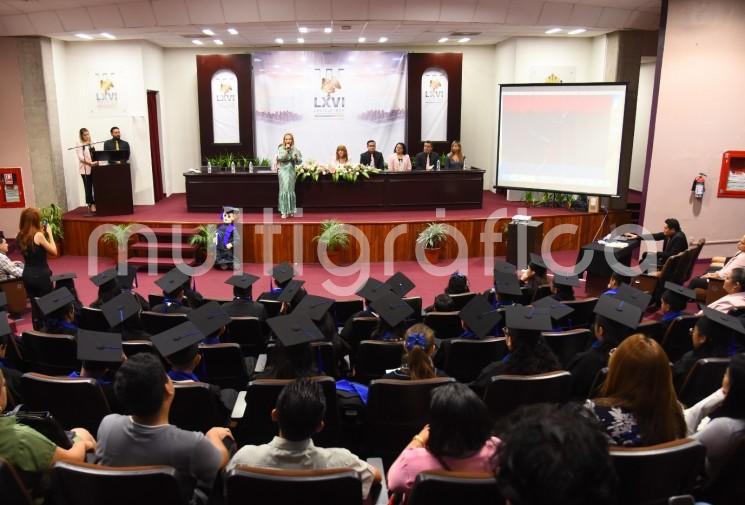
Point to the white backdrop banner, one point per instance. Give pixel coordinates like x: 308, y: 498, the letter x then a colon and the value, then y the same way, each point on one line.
x: 225, y: 117
x: 329, y: 98
x: 108, y: 93
x: 434, y: 105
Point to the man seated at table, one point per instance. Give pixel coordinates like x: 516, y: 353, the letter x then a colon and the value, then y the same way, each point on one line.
x: 674, y: 241
x: 371, y: 157
x: 426, y: 160
x: 8, y: 269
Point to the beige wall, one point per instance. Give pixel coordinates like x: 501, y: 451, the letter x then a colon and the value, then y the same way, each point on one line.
x: 700, y: 115
x: 13, y: 138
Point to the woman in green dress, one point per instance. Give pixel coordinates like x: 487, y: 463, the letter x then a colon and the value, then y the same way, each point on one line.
x: 288, y: 157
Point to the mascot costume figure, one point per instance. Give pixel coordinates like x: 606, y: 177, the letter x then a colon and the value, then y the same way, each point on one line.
x: 226, y: 238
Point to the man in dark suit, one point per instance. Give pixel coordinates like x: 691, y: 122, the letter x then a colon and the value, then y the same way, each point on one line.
x: 426, y: 160
x: 674, y: 241
x: 115, y: 143
x: 372, y: 153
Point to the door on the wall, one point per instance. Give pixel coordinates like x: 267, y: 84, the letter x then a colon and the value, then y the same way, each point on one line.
x: 152, y: 116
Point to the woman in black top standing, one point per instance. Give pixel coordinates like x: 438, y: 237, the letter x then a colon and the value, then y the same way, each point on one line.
x: 36, y: 242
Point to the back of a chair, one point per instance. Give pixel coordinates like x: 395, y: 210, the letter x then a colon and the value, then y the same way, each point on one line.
x: 74, y: 402
x: 505, y: 393
x: 466, y: 357
x: 224, y: 365
x: 332, y: 486
x: 650, y: 283
x: 704, y: 378
x: 15, y: 295
x: 683, y: 266
x: 677, y: 339
x: 342, y: 310
x: 598, y: 382
x: 374, y: 357
x: 415, y: 302
x: 93, y: 319
x: 460, y: 300
x: 445, y: 324
x: 566, y: 344
x: 323, y: 357
x: 132, y: 347
x: 728, y: 487
x: 653, y: 329
x: 362, y: 329
x: 51, y: 354
x: 12, y: 488
x: 86, y: 484
x: 272, y: 307
x: 715, y: 290
x: 153, y: 300
x: 396, y: 411
x: 194, y: 407
x: 156, y: 322
x: 247, y: 332
x: 583, y: 314
x: 694, y: 253
x: 652, y: 474
x: 445, y: 488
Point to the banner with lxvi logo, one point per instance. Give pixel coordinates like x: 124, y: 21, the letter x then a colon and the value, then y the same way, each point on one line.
x: 434, y: 105
x: 225, y: 116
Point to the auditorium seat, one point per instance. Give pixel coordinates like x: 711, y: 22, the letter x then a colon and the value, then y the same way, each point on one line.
x: 583, y: 315
x: 12, y: 488
x: 74, y: 402
x: 598, y: 382
x: 466, y: 357
x: 445, y: 488
x: 249, y: 333
x: 132, y: 347
x: 650, y: 475
x: 677, y: 339
x: 396, y: 411
x: 649, y: 282
x: 50, y: 353
x: 566, y: 344
x: 445, y: 324
x: 362, y: 329
x: 15, y: 295
x: 685, y: 269
x: 704, y: 377
x: 256, y: 426
x: 728, y: 488
x: 272, y: 307
x: 270, y: 486
x: 323, y: 357
x: 224, y: 365
x: 156, y: 322
x: 374, y: 357
x: 653, y: 329
x: 415, y: 302
x: 153, y: 300
x: 87, y: 484
x: 93, y: 319
x: 194, y: 407
x: 505, y: 393
x: 460, y: 300
x: 342, y: 310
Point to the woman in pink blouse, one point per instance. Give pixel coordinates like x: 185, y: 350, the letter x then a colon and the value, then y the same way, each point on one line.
x: 399, y: 160
x: 458, y: 438
x: 85, y: 157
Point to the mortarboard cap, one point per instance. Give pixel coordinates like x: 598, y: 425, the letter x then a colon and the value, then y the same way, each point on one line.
x: 633, y: 295
x: 99, y: 346
x: 242, y: 281
x: 507, y: 284
x: 503, y: 267
x: 103, y: 278
x: 519, y: 317
x: 209, y: 318
x: 374, y: 289
x: 283, y: 272
x: 315, y: 306
x: 172, y: 281
x: 400, y: 284
x: 177, y: 338
x: 537, y: 261
x: 4, y: 326
x: 480, y: 316
x: 128, y: 280
x: 392, y: 309
x: 289, y: 291
x: 69, y: 277
x: 294, y: 329
x: 120, y: 308
x: 726, y: 320
x: 556, y: 309
x: 683, y: 292
x: 55, y: 300
x: 566, y: 280
x: 620, y: 311
x: 228, y: 209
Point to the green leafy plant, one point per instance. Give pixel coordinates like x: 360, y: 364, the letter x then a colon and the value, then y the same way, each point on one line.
x: 528, y: 197
x: 443, y: 161
x: 432, y: 236
x: 118, y: 234
x: 334, y: 235
x: 205, y: 236
x: 53, y: 215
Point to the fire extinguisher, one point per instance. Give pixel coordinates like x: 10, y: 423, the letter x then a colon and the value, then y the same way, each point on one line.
x: 699, y: 185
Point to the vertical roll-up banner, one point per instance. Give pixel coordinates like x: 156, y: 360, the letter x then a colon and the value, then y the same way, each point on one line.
x: 225, y: 118
x: 434, y: 105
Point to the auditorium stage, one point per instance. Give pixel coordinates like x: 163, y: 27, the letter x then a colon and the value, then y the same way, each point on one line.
x: 374, y: 225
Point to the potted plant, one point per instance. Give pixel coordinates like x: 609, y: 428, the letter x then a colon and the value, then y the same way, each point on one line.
x: 205, y: 237
x: 118, y: 239
x: 529, y: 198
x: 335, y: 237
x: 53, y: 215
x: 431, y: 238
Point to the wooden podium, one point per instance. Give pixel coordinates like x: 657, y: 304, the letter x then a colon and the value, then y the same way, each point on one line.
x: 531, y: 234
x: 112, y: 189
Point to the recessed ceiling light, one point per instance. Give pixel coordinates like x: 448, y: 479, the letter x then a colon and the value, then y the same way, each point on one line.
x: 83, y: 36
x: 232, y: 31
x: 552, y: 31
x: 383, y: 39
x: 218, y: 42
x: 303, y: 29
x: 207, y: 31
x: 279, y: 40
x: 197, y: 42
x: 444, y: 39
x: 361, y: 40
x: 577, y: 31
x: 258, y: 59
x: 300, y: 40
x: 108, y: 36
x: 463, y: 40
x: 328, y: 29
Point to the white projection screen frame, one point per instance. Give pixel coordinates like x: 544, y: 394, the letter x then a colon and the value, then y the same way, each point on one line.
x: 563, y: 138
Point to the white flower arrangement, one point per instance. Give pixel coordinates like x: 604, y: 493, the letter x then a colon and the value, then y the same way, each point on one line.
x: 346, y: 172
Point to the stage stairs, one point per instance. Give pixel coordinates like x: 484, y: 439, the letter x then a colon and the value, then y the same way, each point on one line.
x: 165, y: 249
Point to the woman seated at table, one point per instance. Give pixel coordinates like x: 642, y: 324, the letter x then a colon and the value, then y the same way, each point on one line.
x: 342, y: 157
x: 455, y: 158
x: 399, y: 160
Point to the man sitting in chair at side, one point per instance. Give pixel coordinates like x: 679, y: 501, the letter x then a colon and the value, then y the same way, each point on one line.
x: 299, y: 413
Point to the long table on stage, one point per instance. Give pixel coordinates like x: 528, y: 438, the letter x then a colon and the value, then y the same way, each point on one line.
x: 451, y: 189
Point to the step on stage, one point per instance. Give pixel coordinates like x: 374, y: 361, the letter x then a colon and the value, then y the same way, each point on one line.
x: 374, y: 226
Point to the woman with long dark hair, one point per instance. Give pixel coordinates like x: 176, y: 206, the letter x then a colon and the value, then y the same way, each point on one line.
x: 85, y: 151
x: 458, y: 438
x: 36, y: 242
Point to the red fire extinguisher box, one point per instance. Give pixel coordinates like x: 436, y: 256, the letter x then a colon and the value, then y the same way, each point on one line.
x: 732, y: 176
x: 11, y: 194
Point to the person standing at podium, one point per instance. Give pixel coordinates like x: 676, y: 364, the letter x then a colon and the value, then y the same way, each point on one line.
x: 288, y: 157
x: 85, y: 156
x: 115, y: 143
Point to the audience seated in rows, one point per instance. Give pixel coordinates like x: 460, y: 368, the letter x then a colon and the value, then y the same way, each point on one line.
x: 721, y: 267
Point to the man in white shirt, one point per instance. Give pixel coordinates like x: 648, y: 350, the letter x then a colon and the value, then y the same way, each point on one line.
x: 8, y: 269
x: 736, y: 261
x: 299, y: 413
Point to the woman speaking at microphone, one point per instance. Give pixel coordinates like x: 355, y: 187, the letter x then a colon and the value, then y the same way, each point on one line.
x: 85, y: 157
x: 288, y: 157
